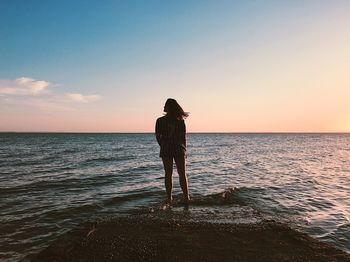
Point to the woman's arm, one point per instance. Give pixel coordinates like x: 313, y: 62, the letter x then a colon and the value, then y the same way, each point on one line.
x: 184, y: 133
x: 158, y: 132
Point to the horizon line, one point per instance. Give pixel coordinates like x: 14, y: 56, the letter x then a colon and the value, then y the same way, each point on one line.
x: 193, y: 132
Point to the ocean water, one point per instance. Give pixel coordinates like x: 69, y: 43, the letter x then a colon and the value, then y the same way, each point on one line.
x: 49, y: 183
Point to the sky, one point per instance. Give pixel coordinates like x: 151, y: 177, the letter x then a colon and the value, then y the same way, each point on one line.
x: 236, y: 66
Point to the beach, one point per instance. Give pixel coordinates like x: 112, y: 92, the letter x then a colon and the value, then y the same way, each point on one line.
x: 151, y: 238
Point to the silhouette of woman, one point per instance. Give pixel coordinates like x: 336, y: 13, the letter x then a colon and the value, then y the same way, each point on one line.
x: 171, y: 137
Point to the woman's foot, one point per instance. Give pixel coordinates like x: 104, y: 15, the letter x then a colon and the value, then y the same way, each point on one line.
x: 186, y: 200
x: 168, y: 201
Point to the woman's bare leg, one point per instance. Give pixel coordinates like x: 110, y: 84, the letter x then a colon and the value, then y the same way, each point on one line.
x: 181, y: 169
x: 168, y: 168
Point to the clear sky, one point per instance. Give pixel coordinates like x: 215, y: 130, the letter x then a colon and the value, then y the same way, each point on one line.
x: 236, y: 66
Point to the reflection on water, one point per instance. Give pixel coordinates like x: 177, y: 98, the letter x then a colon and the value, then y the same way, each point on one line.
x: 51, y: 182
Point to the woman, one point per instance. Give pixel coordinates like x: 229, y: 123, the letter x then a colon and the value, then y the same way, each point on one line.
x: 171, y: 136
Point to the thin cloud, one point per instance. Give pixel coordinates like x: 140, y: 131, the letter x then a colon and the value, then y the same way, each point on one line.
x: 23, y: 86
x: 83, y: 98
x: 27, y: 91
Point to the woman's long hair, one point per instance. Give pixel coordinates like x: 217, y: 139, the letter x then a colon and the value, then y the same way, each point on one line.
x: 174, y: 110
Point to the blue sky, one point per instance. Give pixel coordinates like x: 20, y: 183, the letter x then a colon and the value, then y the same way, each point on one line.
x: 237, y: 58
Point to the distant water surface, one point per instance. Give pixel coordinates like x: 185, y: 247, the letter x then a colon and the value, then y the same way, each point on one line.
x: 50, y: 183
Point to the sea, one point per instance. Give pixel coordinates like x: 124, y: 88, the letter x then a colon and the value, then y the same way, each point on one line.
x: 52, y: 182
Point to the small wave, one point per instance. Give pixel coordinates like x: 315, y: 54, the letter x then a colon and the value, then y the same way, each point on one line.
x: 237, y: 196
x: 42, y: 185
x: 67, y: 181
x: 18, y: 163
x: 228, y: 196
x: 70, y: 150
x: 79, y: 209
x: 131, y: 197
x: 108, y: 159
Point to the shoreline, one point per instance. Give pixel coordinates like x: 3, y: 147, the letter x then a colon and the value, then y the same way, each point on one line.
x: 144, y: 238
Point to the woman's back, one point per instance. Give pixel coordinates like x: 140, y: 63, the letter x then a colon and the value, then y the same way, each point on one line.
x: 171, y: 131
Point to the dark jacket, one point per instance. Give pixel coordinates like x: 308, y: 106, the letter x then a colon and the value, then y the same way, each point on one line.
x: 171, y: 136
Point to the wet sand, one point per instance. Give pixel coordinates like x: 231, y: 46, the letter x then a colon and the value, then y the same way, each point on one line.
x: 141, y: 238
